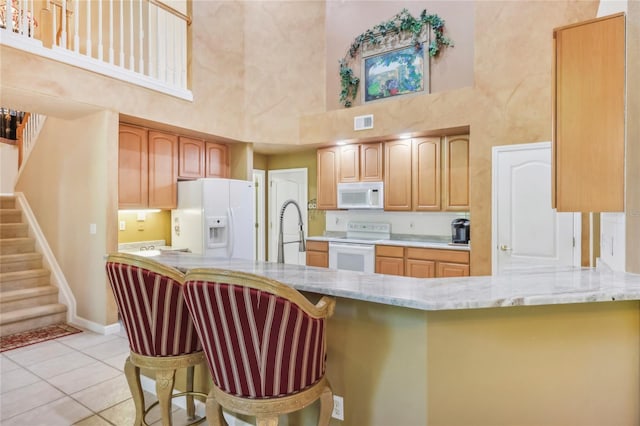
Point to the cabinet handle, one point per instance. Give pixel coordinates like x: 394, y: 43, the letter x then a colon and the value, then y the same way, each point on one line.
x: 505, y: 247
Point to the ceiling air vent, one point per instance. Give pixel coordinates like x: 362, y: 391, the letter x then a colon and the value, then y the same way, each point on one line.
x: 363, y: 122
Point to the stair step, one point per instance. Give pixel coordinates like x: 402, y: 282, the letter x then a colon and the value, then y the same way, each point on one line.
x: 31, y: 318
x: 17, y: 245
x: 14, y: 230
x: 28, y: 298
x: 10, y: 216
x: 24, y: 279
x: 20, y: 262
x: 7, y: 202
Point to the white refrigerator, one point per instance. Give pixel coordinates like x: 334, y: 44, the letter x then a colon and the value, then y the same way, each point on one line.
x: 215, y: 217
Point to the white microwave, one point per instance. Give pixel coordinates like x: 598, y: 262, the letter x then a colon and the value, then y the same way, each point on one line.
x: 361, y: 195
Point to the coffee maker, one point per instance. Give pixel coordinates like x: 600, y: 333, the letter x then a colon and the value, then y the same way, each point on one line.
x: 460, y: 231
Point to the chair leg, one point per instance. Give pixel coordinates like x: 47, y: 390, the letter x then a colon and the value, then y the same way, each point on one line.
x: 326, y: 406
x: 164, y: 388
x: 191, y: 407
x: 214, y: 412
x: 132, y: 373
x: 267, y: 421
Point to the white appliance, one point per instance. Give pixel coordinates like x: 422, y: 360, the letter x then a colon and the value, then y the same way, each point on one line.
x: 361, y: 195
x: 358, y: 252
x: 215, y: 217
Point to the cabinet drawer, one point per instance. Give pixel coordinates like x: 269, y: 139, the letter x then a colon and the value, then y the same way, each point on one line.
x: 317, y: 246
x: 457, y: 256
x: 390, y: 251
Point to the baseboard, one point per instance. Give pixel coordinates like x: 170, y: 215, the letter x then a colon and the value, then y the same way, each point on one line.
x: 94, y: 326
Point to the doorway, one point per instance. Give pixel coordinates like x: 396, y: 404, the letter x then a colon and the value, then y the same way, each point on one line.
x: 527, y: 232
x: 287, y: 184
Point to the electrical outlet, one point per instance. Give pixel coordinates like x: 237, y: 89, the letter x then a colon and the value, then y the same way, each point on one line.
x: 338, y: 408
x: 123, y: 225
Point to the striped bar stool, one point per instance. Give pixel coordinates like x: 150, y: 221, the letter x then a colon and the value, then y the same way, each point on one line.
x: 265, y: 345
x: 161, y: 334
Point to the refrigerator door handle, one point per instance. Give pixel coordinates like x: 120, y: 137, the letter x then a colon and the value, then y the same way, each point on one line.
x: 231, y: 235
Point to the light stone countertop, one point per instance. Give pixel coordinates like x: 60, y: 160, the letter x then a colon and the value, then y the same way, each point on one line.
x: 523, y: 288
x: 402, y: 241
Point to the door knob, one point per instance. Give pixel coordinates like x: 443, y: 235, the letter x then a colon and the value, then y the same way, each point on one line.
x: 505, y: 247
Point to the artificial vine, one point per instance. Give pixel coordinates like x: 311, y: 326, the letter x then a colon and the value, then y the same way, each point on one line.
x: 403, y: 22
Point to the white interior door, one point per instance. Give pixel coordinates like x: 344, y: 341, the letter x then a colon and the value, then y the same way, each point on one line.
x: 259, y: 178
x: 527, y: 232
x: 287, y: 184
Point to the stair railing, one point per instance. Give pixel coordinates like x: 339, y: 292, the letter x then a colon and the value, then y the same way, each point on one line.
x: 27, y: 133
x: 140, y: 41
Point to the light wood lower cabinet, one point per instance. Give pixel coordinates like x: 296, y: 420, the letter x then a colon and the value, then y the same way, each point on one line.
x: 420, y: 262
x: 318, y: 253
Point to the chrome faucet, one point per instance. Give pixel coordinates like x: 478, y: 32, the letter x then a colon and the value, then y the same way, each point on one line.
x: 281, y: 243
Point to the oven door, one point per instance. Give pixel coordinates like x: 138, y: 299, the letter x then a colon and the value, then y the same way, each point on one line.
x: 352, y: 257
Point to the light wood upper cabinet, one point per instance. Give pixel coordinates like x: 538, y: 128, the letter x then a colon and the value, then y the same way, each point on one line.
x: 133, y: 175
x: 589, y: 113
x: 147, y: 168
x: 456, y: 173
x: 327, y: 184
x: 397, y: 175
x: 371, y: 156
x: 426, y: 184
x: 163, y: 170
x: 216, y: 160
x: 360, y: 163
x: 191, y: 154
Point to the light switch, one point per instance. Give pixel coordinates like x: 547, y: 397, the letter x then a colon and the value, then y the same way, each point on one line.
x: 123, y: 225
x: 92, y: 228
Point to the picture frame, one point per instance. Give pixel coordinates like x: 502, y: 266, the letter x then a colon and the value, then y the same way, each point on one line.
x: 395, y: 72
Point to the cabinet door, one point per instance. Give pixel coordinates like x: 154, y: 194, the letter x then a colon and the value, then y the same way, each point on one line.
x: 327, y: 183
x: 420, y: 268
x: 456, y: 173
x: 216, y: 160
x: 397, y: 175
x: 445, y: 269
x: 191, y: 158
x: 349, y: 170
x: 426, y: 174
x: 318, y: 258
x: 389, y: 265
x: 371, y: 155
x: 589, y: 113
x: 132, y: 167
x: 163, y: 170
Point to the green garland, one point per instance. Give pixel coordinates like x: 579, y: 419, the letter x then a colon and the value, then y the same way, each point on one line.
x: 403, y: 22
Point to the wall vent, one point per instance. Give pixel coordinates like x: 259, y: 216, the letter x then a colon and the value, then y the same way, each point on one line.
x: 363, y: 122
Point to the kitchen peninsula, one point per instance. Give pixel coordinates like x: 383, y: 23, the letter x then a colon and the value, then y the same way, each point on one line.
x: 529, y: 348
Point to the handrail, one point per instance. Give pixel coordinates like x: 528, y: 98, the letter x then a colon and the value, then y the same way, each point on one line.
x: 171, y: 10
x: 20, y: 137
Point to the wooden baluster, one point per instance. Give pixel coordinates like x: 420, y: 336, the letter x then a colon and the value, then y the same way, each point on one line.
x: 131, y: 37
x: 76, y: 26
x: 121, y: 26
x: 141, y: 39
x: 32, y: 21
x: 22, y: 16
x: 151, y: 40
x: 100, y: 44
x: 63, y: 24
x: 89, y: 42
x: 111, y: 53
x: 8, y: 13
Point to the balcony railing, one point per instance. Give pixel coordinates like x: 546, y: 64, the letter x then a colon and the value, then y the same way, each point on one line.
x: 140, y: 41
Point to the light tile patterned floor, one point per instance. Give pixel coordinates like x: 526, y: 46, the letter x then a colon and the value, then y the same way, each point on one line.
x: 73, y: 380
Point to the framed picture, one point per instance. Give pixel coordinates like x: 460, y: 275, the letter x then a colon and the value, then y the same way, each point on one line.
x: 394, y: 73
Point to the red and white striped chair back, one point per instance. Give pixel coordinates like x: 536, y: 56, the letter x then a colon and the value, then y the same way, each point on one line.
x: 259, y: 343
x: 151, y: 304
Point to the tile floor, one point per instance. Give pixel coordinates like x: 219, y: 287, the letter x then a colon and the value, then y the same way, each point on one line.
x: 73, y: 380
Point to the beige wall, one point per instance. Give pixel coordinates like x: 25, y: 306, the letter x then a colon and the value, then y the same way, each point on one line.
x: 509, y: 103
x: 70, y: 181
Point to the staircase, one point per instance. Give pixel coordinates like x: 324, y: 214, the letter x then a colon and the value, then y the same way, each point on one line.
x: 27, y: 298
